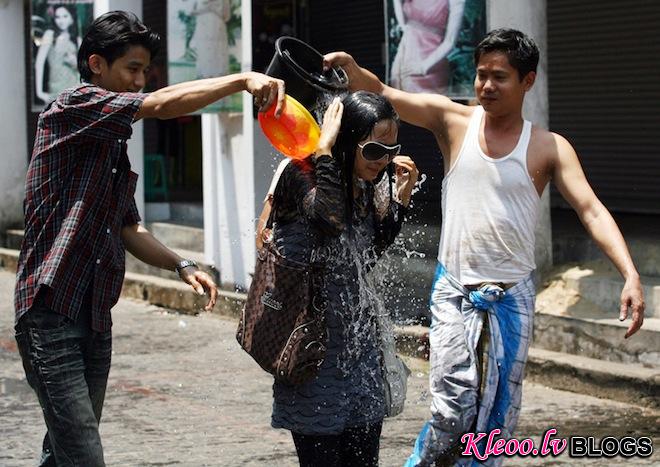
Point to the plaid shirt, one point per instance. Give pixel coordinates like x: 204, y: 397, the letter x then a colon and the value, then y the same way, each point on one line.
x: 78, y: 195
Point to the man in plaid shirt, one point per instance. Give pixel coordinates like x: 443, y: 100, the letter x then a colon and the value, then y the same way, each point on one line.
x: 80, y: 215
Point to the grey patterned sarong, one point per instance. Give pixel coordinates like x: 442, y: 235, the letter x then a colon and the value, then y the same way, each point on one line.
x: 457, y: 322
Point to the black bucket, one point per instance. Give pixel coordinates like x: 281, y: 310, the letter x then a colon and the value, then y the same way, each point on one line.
x: 300, y: 66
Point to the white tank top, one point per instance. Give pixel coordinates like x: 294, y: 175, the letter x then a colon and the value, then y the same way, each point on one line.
x: 490, y: 208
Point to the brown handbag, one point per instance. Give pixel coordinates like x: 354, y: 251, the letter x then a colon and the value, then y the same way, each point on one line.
x: 282, y: 325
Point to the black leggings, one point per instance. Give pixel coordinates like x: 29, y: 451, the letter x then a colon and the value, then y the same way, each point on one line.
x: 355, y: 446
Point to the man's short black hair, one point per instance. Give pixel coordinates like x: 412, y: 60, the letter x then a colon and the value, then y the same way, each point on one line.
x: 111, y: 35
x: 521, y: 50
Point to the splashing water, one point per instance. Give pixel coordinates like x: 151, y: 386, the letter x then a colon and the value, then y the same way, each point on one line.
x: 361, y: 304
x: 362, y: 309
x: 419, y: 183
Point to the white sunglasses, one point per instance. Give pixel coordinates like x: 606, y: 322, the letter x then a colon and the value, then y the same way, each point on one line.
x: 374, y: 151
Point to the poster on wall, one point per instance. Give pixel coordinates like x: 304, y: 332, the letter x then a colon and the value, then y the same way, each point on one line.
x: 204, y: 41
x: 430, y: 45
x: 57, y: 28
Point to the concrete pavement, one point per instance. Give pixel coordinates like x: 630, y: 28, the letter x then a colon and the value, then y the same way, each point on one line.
x: 182, y: 392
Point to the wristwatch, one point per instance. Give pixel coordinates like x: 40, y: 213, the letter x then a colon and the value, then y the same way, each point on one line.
x: 184, y: 263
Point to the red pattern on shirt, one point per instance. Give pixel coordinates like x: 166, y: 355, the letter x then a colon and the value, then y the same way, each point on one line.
x: 78, y: 195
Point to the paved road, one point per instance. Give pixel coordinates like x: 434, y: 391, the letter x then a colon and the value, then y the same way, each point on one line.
x: 182, y: 393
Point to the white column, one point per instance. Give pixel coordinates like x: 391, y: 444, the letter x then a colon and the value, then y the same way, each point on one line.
x: 211, y: 144
x: 228, y: 165
x: 13, y: 131
x: 136, y: 143
x: 228, y: 198
x: 529, y: 16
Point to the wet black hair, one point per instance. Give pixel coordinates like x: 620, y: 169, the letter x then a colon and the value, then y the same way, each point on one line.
x: 362, y: 111
x: 111, y: 35
x: 520, y: 49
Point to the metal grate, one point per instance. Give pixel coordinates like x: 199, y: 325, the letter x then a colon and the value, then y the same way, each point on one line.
x: 604, y: 96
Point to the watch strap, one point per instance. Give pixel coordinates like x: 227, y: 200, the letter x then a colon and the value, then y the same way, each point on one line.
x: 184, y: 264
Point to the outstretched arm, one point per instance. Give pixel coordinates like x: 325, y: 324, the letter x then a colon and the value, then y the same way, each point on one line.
x: 184, y: 98
x: 429, y: 111
x: 572, y: 184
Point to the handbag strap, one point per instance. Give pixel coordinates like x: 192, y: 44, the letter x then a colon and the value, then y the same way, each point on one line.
x: 273, y: 187
x: 269, y: 222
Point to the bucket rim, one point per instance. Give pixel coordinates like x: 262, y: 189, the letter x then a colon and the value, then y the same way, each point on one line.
x: 298, y: 70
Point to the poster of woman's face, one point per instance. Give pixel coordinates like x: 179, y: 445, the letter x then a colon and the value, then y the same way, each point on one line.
x: 204, y: 41
x: 57, y: 28
x: 430, y: 44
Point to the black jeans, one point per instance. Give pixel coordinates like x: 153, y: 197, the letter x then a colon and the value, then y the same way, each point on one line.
x: 356, y: 446
x: 67, y: 365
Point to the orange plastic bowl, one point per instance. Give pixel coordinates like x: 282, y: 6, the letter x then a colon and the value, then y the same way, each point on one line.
x: 295, y: 134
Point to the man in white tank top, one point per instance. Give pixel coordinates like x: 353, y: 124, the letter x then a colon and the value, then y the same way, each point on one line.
x: 497, y: 165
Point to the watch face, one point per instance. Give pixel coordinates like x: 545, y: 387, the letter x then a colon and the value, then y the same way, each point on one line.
x: 185, y: 263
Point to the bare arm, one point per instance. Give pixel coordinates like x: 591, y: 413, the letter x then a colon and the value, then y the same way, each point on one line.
x: 184, y: 98
x: 39, y: 64
x: 145, y: 247
x: 398, y: 12
x: 572, y: 184
x: 429, y: 111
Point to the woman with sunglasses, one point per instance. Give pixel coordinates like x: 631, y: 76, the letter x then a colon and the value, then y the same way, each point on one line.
x: 330, y: 203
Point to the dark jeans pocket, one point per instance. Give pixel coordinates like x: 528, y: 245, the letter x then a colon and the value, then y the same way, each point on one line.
x: 42, y: 317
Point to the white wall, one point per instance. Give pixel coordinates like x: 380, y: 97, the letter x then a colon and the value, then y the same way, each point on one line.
x: 136, y: 143
x: 228, y: 173
x: 13, y: 131
x: 529, y: 16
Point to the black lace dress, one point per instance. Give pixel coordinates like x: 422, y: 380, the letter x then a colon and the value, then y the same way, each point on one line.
x: 309, y: 213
